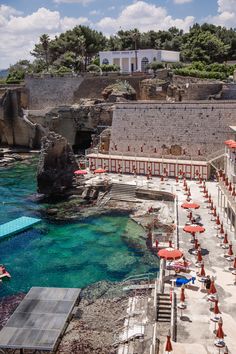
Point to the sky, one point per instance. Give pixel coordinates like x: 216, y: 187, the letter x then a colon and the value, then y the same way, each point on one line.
x: 23, y: 21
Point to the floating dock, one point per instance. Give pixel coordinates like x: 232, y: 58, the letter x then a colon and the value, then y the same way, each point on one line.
x: 18, y: 225
x: 40, y: 320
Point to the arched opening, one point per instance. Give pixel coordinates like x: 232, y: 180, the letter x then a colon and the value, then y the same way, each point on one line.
x: 144, y: 64
x: 82, y: 141
x: 105, y: 61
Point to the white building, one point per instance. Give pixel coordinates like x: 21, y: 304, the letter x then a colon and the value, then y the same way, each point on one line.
x: 131, y: 60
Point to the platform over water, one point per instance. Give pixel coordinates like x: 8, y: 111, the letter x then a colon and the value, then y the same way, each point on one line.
x: 40, y: 319
x: 15, y: 226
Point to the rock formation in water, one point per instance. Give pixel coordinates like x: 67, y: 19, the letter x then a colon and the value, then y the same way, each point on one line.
x: 56, y: 165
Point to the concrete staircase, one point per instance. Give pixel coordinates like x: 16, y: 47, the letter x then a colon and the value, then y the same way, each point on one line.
x: 163, y: 308
x: 123, y: 192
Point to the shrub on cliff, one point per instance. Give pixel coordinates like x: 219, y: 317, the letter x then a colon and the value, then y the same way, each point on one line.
x: 92, y: 68
x: 108, y: 68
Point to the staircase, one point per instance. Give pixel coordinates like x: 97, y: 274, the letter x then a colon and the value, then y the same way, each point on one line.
x: 217, y: 155
x: 163, y: 308
x: 124, y: 192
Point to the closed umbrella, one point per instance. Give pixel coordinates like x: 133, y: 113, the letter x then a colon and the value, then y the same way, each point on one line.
x: 182, y: 295
x: 216, y: 308
x: 230, y: 251
x: 199, y: 255
x: 220, y: 333
x: 212, y: 289
x: 168, y: 347
x: 202, y: 272
x: 217, y: 220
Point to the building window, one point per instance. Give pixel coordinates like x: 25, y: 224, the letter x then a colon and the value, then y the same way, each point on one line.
x: 105, y: 61
x: 144, y: 64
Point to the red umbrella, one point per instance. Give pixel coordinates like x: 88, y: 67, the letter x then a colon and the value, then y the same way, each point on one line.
x: 225, y: 241
x: 182, y: 295
x: 168, y: 347
x: 230, y: 187
x: 190, y: 206
x: 206, y: 195
x: 199, y: 255
x: 80, y: 172
x: 212, y: 289
x: 234, y: 192
x: 229, y: 142
x: 216, y: 308
x: 220, y: 333
x: 196, y: 244
x: 221, y: 228
x: 230, y: 251
x: 170, y: 253
x: 214, y: 212
x: 202, y: 272
x: 218, y: 220
x: 194, y: 228
x: 234, y: 264
x: 100, y: 170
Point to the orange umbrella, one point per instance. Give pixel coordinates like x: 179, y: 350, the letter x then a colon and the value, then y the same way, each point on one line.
x: 168, y: 347
x: 229, y: 142
x: 190, y: 206
x: 80, y: 172
x: 100, y: 170
x: 220, y: 334
x: 194, y: 228
x: 170, y: 253
x: 212, y: 289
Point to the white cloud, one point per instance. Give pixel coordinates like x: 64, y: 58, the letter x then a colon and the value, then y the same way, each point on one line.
x: 83, y: 2
x: 20, y: 33
x: 94, y: 12
x: 182, y: 1
x: 226, y: 14
x: 144, y: 16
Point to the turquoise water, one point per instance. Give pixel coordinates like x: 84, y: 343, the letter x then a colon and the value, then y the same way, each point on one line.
x: 69, y: 254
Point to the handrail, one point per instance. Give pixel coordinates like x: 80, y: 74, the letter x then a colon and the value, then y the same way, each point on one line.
x: 137, y: 276
x: 173, y: 317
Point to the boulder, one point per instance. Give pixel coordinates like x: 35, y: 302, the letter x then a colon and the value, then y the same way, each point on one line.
x: 119, y: 91
x: 56, y: 165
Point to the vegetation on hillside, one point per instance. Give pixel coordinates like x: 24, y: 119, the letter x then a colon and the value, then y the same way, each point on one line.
x: 76, y: 49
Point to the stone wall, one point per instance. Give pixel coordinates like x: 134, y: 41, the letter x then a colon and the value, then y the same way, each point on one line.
x: 156, y: 129
x: 50, y: 91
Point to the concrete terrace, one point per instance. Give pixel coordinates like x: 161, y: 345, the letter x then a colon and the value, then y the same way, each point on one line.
x: 195, y: 330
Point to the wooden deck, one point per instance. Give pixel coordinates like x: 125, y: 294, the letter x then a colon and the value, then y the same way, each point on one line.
x: 39, y: 320
x: 18, y: 225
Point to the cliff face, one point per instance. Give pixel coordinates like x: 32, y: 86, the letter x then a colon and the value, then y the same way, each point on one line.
x: 15, y: 128
x: 56, y: 165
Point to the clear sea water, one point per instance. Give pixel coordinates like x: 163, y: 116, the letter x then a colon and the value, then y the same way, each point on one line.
x: 68, y: 254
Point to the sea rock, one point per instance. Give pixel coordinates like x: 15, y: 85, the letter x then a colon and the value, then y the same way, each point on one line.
x: 56, y: 165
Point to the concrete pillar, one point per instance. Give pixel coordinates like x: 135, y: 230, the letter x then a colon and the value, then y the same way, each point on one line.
x: 161, y: 276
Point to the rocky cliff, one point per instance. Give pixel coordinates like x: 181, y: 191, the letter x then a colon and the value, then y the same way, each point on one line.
x: 56, y: 165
